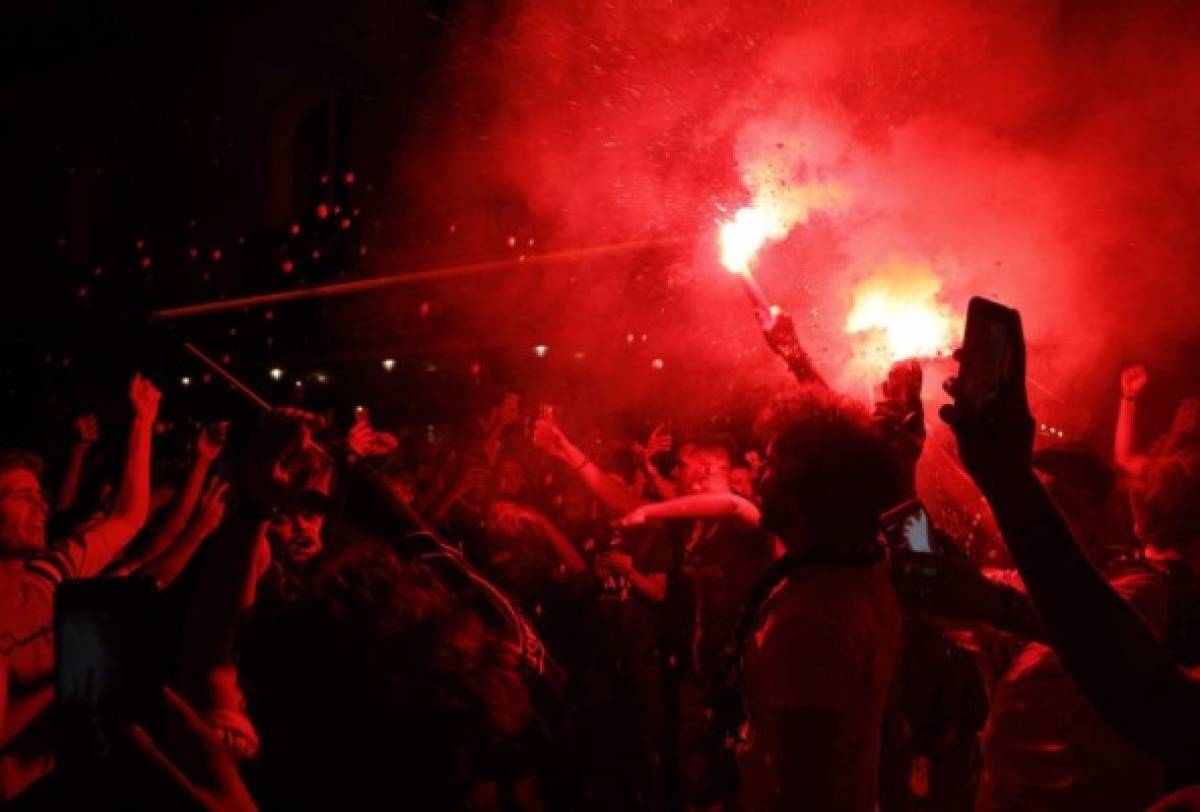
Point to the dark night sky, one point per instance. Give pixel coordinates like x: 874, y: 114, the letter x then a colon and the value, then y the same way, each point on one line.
x: 164, y: 153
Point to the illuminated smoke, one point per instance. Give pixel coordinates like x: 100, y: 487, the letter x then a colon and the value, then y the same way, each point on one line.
x: 779, y: 204
x: 895, y: 313
x: 1042, y: 154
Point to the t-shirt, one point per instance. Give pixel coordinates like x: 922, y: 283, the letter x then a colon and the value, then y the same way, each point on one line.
x: 721, y: 564
x: 827, y: 639
x: 1046, y: 747
x: 620, y: 618
x: 27, y: 587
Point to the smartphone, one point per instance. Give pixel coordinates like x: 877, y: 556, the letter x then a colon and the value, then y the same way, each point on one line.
x: 907, y: 526
x: 110, y: 666
x: 990, y: 341
x: 550, y: 413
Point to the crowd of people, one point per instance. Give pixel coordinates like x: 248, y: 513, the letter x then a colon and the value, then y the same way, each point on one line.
x: 526, y: 618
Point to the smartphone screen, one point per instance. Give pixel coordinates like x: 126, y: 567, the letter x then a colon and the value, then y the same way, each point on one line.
x: 990, y: 337
x: 907, y: 526
x: 109, y: 665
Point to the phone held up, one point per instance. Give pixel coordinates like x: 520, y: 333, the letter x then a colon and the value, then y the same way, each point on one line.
x: 907, y: 527
x: 987, y: 366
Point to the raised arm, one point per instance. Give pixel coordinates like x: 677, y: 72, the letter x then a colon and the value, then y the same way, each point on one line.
x: 503, y: 416
x: 697, y: 506
x: 208, y: 447
x: 207, y: 517
x: 88, y: 430
x: 781, y: 337
x: 608, y: 489
x: 1113, y: 656
x: 659, y: 442
x: 106, y: 538
x: 1133, y: 381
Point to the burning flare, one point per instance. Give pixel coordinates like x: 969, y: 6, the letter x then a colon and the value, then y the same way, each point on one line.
x: 777, y: 206
x: 896, y: 314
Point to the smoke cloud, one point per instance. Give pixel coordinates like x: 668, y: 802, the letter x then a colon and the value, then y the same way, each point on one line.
x: 1044, y: 154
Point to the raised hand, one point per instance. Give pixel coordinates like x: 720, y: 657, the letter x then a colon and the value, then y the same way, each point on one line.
x: 634, y: 518
x: 504, y: 414
x: 996, y: 445
x: 550, y: 438
x: 660, y: 441
x: 144, y: 396
x: 1133, y: 380
x: 211, y: 440
x: 87, y: 428
x: 211, y: 508
x: 365, y: 441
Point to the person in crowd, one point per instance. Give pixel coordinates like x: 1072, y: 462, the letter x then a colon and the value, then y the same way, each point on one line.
x: 620, y: 688
x: 1045, y: 746
x: 1165, y: 498
x: 1162, y: 488
x: 723, y: 553
x: 30, y: 571
x: 813, y: 733
x: 1113, y: 655
x: 1183, y: 434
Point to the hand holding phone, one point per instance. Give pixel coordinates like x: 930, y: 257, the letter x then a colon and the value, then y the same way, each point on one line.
x: 990, y: 413
x: 988, y: 360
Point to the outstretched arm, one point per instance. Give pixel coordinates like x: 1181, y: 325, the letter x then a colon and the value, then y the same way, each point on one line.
x: 697, y: 506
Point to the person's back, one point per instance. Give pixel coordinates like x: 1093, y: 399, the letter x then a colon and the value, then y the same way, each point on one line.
x: 824, y: 647
x: 819, y: 654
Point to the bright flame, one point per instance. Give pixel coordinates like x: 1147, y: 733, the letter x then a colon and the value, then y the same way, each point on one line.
x: 897, y: 314
x: 744, y: 235
x: 778, y: 206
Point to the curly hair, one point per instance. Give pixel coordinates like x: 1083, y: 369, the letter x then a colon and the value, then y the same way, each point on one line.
x: 370, y: 678
x: 830, y: 470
